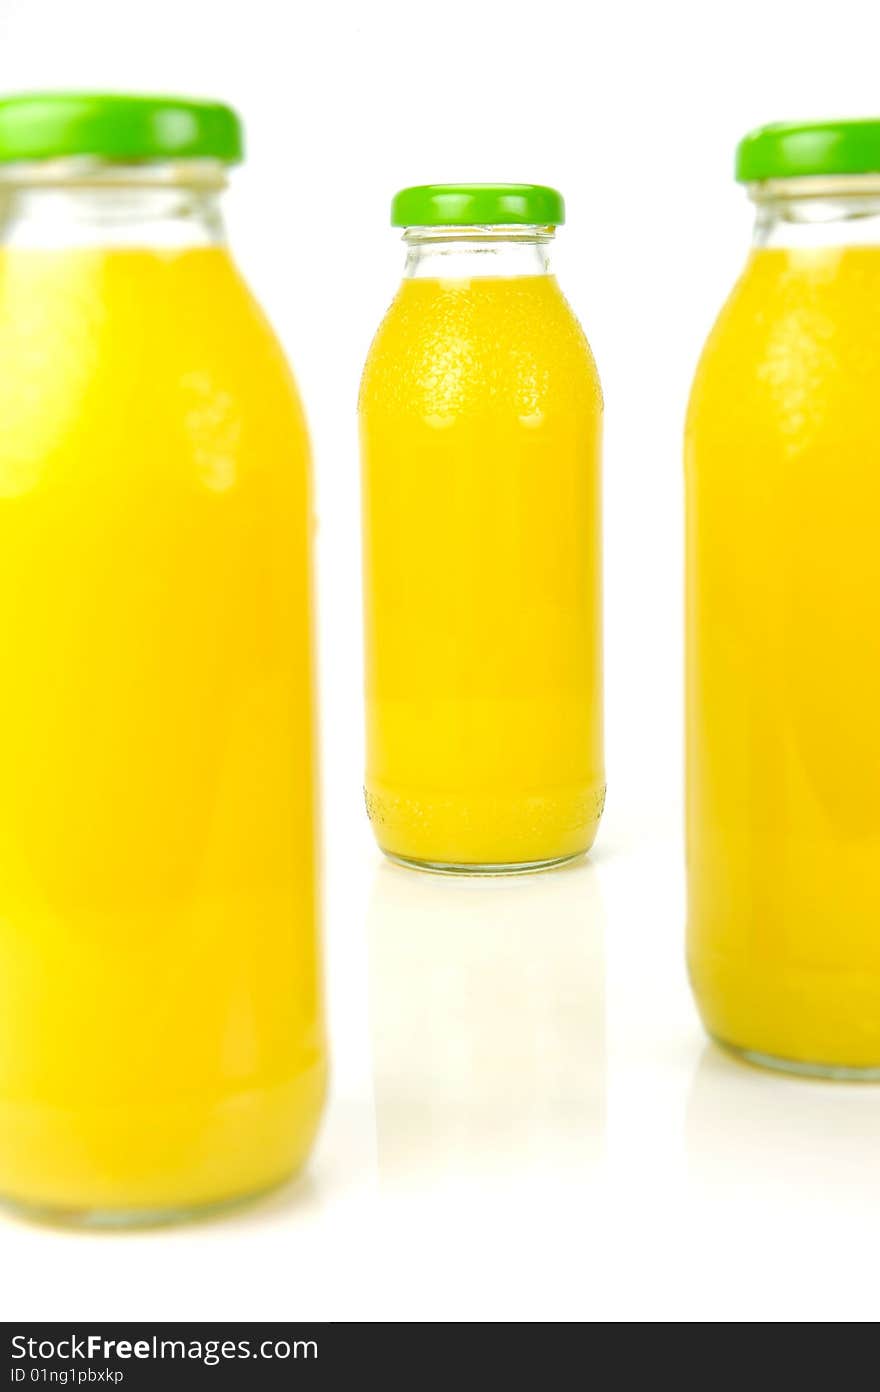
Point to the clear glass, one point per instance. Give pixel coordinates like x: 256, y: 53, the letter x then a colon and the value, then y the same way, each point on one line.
x: 817, y: 212
x: 161, y: 1030
x: 783, y: 571
x: 83, y: 202
x: 453, y: 253
x: 480, y: 413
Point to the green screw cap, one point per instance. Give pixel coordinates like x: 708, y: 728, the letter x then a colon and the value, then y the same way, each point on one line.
x: 478, y: 205
x: 119, y: 128
x: 797, y: 149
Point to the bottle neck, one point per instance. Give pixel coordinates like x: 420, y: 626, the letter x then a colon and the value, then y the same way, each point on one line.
x: 91, y: 203
x: 843, y: 210
x: 468, y: 253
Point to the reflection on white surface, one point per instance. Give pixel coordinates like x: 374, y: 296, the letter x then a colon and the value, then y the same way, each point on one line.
x: 487, y: 1024
x: 755, y: 1130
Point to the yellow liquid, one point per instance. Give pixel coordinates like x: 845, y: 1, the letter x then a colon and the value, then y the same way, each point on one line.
x: 783, y: 493
x: 480, y: 428
x: 161, y: 1040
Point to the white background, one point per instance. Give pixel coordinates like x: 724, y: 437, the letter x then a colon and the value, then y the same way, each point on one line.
x: 526, y: 1120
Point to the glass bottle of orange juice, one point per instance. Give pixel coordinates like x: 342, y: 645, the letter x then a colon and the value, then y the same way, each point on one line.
x: 783, y: 494
x: 161, y: 1037
x: 481, y: 414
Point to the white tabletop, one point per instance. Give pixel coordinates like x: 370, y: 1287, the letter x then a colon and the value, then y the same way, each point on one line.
x: 526, y: 1122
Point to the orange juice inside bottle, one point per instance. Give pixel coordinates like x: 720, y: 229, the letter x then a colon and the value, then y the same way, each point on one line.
x: 784, y: 647
x: 480, y: 425
x: 161, y: 1036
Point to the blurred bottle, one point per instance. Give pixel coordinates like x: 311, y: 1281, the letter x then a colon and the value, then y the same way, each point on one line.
x: 161, y: 1034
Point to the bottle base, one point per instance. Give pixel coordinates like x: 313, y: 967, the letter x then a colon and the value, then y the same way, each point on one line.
x: 479, y: 871
x: 484, y: 835
x: 128, y: 1219
x: 799, y: 1068
x: 93, y: 1166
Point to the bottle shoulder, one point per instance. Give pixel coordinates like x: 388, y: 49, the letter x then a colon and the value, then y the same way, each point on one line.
x: 786, y: 299
x: 796, y: 344
x: 505, y: 338
x: 171, y: 348
x: 165, y: 308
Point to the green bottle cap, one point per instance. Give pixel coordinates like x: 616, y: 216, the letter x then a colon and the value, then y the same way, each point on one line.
x: 122, y: 129
x: 798, y: 149
x: 478, y: 205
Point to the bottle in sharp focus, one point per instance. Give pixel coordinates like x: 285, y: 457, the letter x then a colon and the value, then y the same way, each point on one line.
x: 481, y: 417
